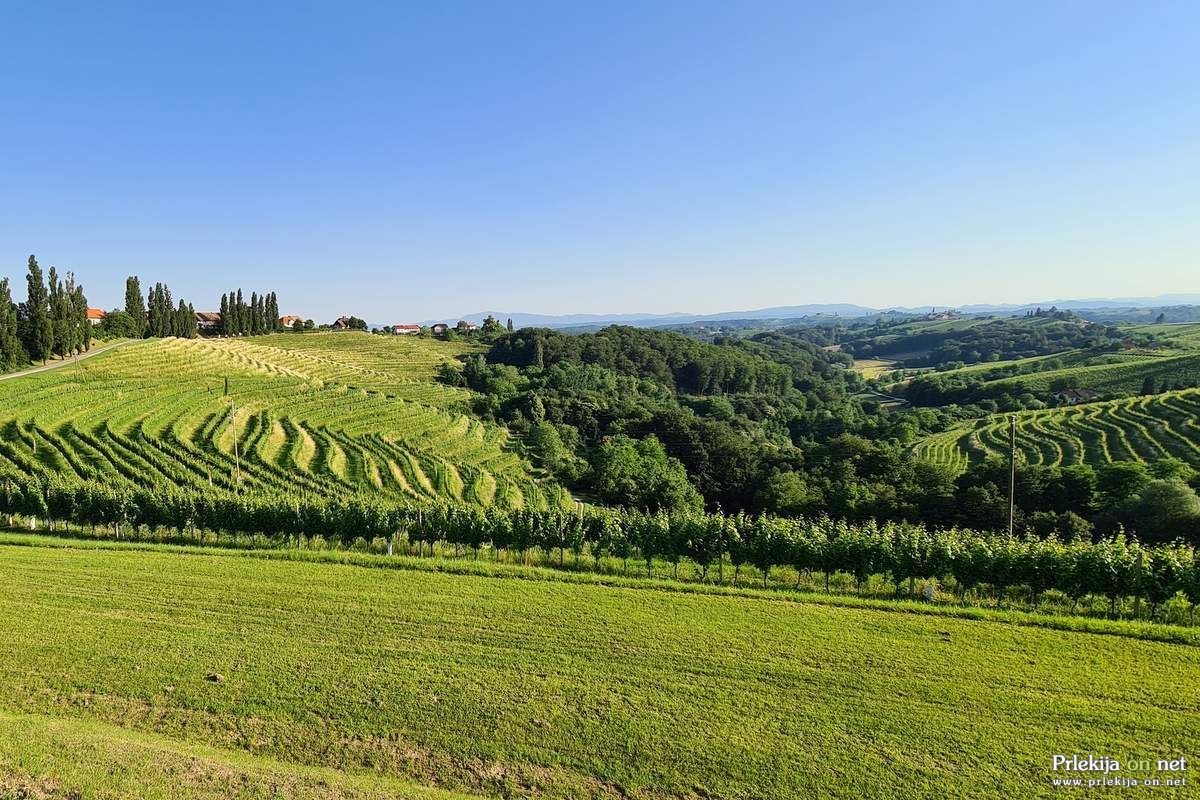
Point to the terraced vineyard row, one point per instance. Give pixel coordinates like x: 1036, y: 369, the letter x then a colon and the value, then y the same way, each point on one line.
x: 157, y: 411
x: 1144, y: 429
x: 1121, y: 373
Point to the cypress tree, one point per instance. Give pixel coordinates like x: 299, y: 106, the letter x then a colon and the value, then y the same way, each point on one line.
x: 241, y: 314
x: 510, y: 325
x: 255, y: 314
x: 224, y: 327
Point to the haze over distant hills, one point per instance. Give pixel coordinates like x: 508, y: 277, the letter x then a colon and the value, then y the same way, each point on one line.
x: 522, y: 319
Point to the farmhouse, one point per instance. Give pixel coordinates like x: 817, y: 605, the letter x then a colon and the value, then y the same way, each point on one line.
x: 289, y: 321
x: 95, y: 315
x: 405, y: 330
x: 208, y: 321
x: 439, y: 329
x: 341, y: 323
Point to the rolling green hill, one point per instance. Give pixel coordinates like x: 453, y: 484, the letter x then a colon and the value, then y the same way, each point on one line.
x: 1110, y: 374
x: 321, y: 414
x: 129, y: 671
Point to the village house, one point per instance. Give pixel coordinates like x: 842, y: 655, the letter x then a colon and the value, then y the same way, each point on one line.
x: 405, y: 330
x: 341, y: 323
x: 289, y: 321
x: 439, y: 329
x: 208, y: 321
x: 96, y: 315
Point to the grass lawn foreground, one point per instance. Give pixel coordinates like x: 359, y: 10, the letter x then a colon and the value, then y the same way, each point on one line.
x: 162, y: 673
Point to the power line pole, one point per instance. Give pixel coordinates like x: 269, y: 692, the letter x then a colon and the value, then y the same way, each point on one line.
x: 1012, y: 471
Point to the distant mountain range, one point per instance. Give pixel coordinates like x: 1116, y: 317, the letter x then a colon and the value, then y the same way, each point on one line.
x: 525, y: 320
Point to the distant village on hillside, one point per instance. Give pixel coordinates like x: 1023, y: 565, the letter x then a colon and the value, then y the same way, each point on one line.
x: 208, y: 323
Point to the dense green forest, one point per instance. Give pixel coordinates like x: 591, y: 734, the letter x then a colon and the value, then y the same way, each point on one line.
x: 981, y: 341
x: 774, y: 422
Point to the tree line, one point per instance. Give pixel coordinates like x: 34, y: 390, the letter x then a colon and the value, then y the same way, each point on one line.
x: 239, y: 318
x: 154, y: 315
x: 52, y: 321
x: 1115, y: 567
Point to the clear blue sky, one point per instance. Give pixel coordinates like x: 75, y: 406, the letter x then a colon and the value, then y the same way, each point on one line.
x: 413, y: 161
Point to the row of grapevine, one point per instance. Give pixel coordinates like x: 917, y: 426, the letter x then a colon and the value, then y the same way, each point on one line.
x: 1131, y: 429
x: 1115, y: 568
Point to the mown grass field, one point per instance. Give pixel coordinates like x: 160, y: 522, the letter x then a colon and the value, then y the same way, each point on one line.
x: 319, y: 414
x: 873, y: 367
x: 1146, y: 429
x: 161, y: 673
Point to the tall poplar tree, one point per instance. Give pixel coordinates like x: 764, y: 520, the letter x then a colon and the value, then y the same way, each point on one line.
x: 272, y: 313
x: 10, y: 346
x: 61, y: 319
x: 135, y: 307
x: 79, y: 307
x: 39, y: 331
x: 225, y: 314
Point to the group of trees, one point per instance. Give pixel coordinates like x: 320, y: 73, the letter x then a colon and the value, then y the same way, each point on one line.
x: 998, y: 340
x: 153, y: 315
x: 729, y: 414
x: 52, y: 321
x: 260, y: 315
x: 682, y: 364
x: 1116, y: 567
x: 164, y: 319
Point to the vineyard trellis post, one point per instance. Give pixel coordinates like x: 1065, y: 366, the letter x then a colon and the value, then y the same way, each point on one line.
x: 237, y: 461
x: 1012, y: 471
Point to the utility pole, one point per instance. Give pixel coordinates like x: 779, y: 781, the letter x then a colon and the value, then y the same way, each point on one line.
x: 237, y: 458
x: 1012, y: 471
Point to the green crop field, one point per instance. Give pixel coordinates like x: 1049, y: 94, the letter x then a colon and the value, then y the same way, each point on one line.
x: 320, y: 415
x: 151, y: 672
x: 1145, y: 429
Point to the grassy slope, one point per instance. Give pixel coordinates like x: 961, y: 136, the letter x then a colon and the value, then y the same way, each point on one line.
x: 49, y: 757
x: 547, y: 688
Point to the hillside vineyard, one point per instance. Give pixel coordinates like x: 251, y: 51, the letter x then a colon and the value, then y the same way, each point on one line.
x: 1143, y: 429
x: 293, y: 415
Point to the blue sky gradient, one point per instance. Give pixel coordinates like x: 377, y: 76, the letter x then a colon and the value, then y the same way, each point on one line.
x: 406, y: 162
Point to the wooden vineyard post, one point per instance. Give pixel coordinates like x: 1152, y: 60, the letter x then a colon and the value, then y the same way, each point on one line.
x: 237, y: 461
x: 1012, y: 471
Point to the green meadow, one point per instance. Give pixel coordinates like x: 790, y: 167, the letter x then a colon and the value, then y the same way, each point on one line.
x: 151, y: 672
